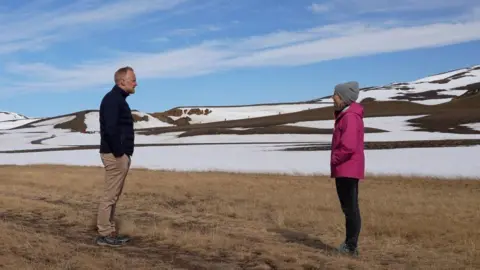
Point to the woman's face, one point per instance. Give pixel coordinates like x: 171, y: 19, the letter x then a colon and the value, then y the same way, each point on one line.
x: 337, y: 102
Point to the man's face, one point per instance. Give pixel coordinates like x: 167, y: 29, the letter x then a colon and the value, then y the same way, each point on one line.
x: 129, y: 82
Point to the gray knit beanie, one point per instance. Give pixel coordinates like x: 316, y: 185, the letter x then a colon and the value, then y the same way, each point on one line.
x: 348, y: 91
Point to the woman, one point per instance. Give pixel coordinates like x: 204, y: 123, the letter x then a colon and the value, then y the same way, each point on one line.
x: 347, y: 159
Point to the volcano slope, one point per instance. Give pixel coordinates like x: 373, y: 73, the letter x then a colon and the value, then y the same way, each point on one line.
x: 442, y: 103
x: 439, y: 110
x: 452, y: 117
x: 449, y: 119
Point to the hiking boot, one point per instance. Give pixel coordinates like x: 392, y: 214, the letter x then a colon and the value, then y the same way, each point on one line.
x: 344, y: 249
x: 112, y: 240
x: 120, y: 238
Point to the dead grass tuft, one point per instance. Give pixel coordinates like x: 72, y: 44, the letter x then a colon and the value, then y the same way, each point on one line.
x: 216, y: 220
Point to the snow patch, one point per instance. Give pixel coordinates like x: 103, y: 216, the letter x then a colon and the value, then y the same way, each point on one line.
x: 439, y: 162
x: 54, y: 121
x: 16, y: 123
x: 392, y: 92
x: 236, y: 113
x: 8, y: 116
x: 93, y: 124
x: 474, y: 126
x: 92, y: 121
x: 441, y: 76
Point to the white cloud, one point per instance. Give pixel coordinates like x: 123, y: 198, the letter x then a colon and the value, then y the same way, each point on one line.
x: 29, y: 26
x: 276, y: 49
x: 279, y: 48
x: 194, y: 31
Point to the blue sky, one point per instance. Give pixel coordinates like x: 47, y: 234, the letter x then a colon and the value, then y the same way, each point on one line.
x: 57, y: 57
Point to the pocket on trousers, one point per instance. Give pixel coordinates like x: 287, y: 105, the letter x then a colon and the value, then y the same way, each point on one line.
x: 122, y: 162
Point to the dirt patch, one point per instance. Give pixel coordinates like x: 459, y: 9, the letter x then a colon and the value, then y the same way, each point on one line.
x: 173, y: 112
x: 198, y: 111
x: 447, y: 122
x: 95, y: 147
x: 182, y: 121
x: 40, y: 141
x: 178, y: 112
x: 367, y: 100
x: 77, y: 124
x: 453, y: 77
x: 162, y: 117
x: 267, y: 130
x: 138, y: 118
x: 427, y: 95
x: 392, y: 145
x: 451, y: 116
x: 472, y: 90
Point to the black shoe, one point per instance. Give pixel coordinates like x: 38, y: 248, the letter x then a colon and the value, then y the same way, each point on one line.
x: 112, y: 240
x: 121, y: 238
x: 344, y: 249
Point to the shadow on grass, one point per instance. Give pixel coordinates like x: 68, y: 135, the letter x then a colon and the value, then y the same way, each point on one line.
x: 304, y: 239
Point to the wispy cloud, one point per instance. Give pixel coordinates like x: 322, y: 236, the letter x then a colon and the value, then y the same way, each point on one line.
x: 29, y: 28
x: 319, y: 8
x: 356, y: 36
x: 194, y: 31
x: 286, y: 48
x: 382, y: 6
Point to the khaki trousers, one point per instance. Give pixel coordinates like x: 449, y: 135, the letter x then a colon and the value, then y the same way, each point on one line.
x: 116, y: 170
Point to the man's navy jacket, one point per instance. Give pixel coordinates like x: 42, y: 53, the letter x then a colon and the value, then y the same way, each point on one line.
x: 116, y: 124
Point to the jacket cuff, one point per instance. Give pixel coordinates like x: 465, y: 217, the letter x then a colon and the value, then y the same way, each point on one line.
x: 118, y: 154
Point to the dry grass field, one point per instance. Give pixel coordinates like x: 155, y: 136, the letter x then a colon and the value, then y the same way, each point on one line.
x: 234, y: 221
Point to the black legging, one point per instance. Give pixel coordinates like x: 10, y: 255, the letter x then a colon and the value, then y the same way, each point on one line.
x: 347, y: 190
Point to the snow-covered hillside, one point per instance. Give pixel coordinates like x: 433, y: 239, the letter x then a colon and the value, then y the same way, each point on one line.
x: 145, y: 121
x: 9, y: 116
x: 10, y: 120
x: 431, y: 90
x: 448, y: 131
x: 15, y: 123
x: 252, y: 153
x: 198, y: 115
x: 74, y: 122
x: 396, y: 129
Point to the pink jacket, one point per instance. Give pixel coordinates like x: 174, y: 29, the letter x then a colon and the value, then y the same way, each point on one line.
x: 347, y: 156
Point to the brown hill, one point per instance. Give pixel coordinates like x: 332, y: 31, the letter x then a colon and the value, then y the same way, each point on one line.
x: 445, y: 117
x: 450, y: 117
x: 266, y: 130
x: 77, y: 124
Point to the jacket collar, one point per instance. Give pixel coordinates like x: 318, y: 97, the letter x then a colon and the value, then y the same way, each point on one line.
x: 117, y: 89
x: 338, y: 113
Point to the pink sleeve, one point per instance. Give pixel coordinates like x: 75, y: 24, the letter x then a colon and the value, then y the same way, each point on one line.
x: 348, y: 139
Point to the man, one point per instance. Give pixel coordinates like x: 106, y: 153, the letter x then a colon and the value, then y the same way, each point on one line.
x: 116, y: 148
